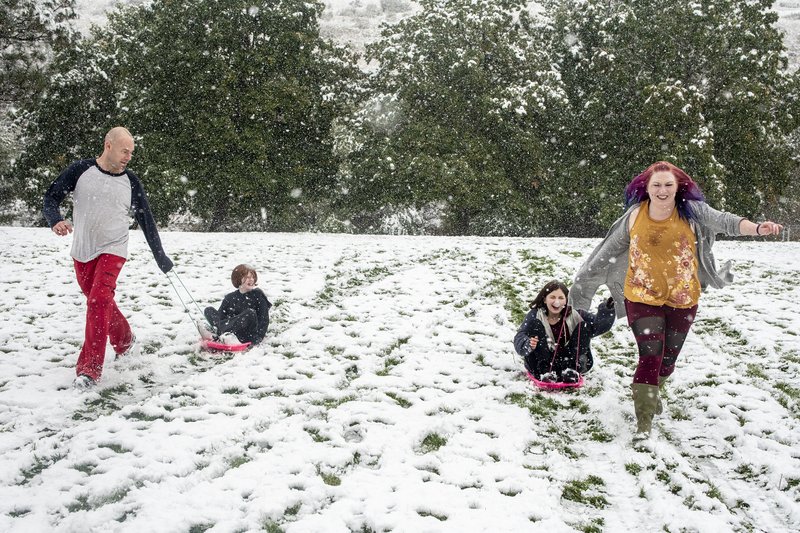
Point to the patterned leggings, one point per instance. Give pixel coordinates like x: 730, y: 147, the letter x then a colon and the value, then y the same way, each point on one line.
x: 660, y: 332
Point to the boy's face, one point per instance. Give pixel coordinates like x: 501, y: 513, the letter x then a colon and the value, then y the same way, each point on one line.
x: 248, y: 283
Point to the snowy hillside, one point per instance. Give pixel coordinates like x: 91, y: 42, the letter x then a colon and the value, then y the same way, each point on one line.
x: 353, y: 22
x: 386, y: 397
x: 357, y: 22
x: 789, y: 22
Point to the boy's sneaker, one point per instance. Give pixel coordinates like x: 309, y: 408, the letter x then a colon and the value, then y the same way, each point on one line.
x: 205, y: 333
x: 549, y: 377
x: 83, y: 382
x: 229, y: 338
x: 570, y: 375
x: 133, y: 349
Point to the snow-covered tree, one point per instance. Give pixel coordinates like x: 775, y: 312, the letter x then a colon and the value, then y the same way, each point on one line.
x: 462, y: 106
x: 702, y: 83
x: 231, y: 102
x: 31, y: 32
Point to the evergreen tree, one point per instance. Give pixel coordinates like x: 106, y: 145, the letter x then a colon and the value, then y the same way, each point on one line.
x: 30, y: 33
x: 232, y: 105
x: 703, y: 84
x: 462, y: 108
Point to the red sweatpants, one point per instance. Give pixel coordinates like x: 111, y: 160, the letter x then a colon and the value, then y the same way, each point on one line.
x: 98, y: 280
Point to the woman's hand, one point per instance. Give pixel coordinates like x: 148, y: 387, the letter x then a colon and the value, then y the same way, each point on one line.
x: 768, y: 228
x: 534, y: 342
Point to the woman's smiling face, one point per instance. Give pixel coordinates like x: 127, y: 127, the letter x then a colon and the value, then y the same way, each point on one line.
x: 662, y: 187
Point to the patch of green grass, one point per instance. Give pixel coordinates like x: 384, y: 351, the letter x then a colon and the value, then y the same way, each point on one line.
x: 713, y: 326
x: 363, y: 276
x: 86, y: 468
x: 105, y: 402
x: 791, y: 482
x: 139, y: 415
x: 509, y: 293
x: 239, y: 460
x: 425, y: 512
x: 575, y: 254
x: 402, y: 402
x: 333, y: 403
x: 355, y: 460
x: 81, y: 503
x: 232, y: 390
x: 334, y: 350
x: 432, y: 442
x: 755, y: 371
x: 633, y: 468
x: 598, y: 433
x: 388, y: 364
x: 583, y: 491
x: 581, y: 406
x: 788, y: 390
x: 114, y: 447
x: 351, y: 372
x: 538, y: 405
x: 200, y: 528
x: 270, y: 526
x: 315, y: 435
x: 16, y: 513
x: 714, y: 492
x: 480, y: 360
x: 745, y: 470
x: 663, y: 476
x: 293, y: 510
x: 395, y: 345
x: 679, y: 414
x: 330, y: 479
x: 595, y: 526
x: 40, y: 464
x: 429, y: 468
x: 151, y: 347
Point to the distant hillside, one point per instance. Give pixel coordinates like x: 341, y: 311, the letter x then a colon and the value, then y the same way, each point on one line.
x: 354, y: 22
x: 789, y: 22
x: 357, y: 22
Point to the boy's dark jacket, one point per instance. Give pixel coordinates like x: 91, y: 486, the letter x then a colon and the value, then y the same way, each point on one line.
x: 592, y: 325
x: 236, y: 302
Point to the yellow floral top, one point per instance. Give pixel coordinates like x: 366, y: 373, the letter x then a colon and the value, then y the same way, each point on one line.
x: 662, y: 262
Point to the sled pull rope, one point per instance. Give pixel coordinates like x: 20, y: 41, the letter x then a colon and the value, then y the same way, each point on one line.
x: 186, y: 291
x: 178, y: 294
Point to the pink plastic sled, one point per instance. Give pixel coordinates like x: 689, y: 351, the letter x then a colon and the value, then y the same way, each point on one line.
x: 220, y: 347
x: 550, y: 385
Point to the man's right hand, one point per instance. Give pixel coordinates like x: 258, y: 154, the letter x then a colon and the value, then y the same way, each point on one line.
x: 62, y: 228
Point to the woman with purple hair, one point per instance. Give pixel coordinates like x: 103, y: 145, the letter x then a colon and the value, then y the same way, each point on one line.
x: 657, y: 259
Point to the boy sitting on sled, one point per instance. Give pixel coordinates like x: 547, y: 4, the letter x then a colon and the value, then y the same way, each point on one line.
x: 244, y: 312
x: 554, y: 338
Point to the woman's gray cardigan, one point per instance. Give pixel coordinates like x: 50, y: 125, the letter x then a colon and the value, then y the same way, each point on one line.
x: 608, y: 263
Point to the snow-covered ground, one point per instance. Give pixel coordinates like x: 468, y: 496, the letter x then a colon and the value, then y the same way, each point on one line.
x: 387, y: 397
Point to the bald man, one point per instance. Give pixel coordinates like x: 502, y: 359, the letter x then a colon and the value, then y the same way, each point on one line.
x: 105, y: 192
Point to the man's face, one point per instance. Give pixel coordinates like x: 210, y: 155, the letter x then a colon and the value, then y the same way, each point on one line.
x: 120, y: 152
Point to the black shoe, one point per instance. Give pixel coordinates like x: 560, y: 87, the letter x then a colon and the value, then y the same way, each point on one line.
x: 549, y: 377
x: 570, y: 376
